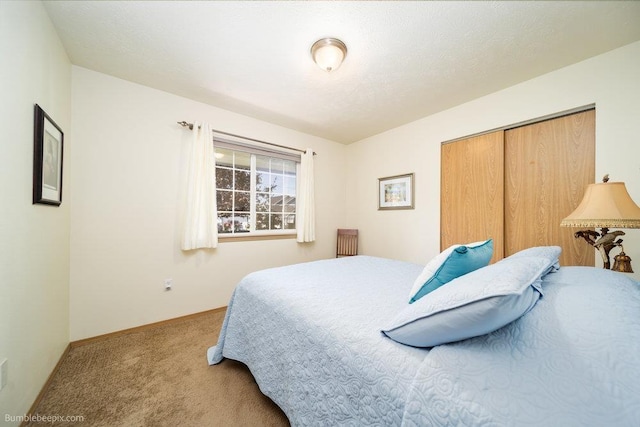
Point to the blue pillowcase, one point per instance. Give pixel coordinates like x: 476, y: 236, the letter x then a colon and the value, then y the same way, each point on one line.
x: 453, y: 262
x: 477, y: 303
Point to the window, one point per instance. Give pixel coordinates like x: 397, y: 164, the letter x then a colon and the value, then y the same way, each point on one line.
x: 255, y: 191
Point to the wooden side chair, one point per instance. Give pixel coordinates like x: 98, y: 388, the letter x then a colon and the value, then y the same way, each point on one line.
x: 347, y: 242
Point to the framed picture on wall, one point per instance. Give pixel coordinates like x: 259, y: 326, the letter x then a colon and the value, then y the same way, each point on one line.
x: 396, y: 192
x: 48, y: 142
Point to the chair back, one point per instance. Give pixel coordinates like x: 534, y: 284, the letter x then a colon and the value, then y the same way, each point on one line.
x: 347, y: 242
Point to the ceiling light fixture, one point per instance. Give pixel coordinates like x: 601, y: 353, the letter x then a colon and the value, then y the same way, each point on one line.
x: 328, y: 53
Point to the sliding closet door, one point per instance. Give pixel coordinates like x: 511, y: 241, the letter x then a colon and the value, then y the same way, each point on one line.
x: 471, y: 196
x: 548, y: 165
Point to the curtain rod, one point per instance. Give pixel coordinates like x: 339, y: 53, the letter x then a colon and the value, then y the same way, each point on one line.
x: 190, y: 126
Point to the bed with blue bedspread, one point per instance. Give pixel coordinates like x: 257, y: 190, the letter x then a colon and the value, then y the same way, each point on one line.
x: 517, y: 343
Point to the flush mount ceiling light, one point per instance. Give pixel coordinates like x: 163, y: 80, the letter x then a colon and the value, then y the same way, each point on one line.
x: 328, y: 53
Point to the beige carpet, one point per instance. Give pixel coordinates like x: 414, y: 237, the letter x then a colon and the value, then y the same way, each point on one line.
x: 158, y: 377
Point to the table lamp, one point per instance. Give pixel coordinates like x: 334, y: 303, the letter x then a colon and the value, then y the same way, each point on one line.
x: 605, y: 205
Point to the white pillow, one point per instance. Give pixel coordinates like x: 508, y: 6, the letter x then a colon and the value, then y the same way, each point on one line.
x: 474, y: 304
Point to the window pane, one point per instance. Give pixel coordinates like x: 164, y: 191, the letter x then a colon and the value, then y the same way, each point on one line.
x: 262, y: 164
x: 243, y: 160
x: 243, y: 180
x: 277, y: 166
x: 290, y: 168
x: 276, y: 222
x: 242, y: 201
x: 225, y: 223
x: 241, y: 223
x: 277, y: 186
x: 290, y: 222
x: 276, y: 204
x: 262, y: 221
x: 224, y: 157
x: 290, y: 204
x: 224, y: 200
x: 262, y: 202
x: 224, y: 178
x: 290, y: 185
x: 262, y: 181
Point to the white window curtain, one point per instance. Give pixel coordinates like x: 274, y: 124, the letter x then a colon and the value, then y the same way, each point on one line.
x: 305, y: 203
x: 200, y: 223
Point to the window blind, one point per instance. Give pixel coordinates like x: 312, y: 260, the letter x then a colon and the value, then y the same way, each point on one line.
x: 232, y: 144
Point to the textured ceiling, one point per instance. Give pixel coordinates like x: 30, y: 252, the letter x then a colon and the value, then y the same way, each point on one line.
x: 406, y: 60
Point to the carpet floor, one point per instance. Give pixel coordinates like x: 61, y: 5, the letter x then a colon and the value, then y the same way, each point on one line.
x: 157, y: 377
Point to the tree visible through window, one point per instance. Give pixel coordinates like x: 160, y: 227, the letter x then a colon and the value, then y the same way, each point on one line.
x: 255, y: 193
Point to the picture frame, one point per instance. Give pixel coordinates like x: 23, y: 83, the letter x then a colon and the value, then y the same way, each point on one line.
x: 396, y: 192
x: 48, y: 150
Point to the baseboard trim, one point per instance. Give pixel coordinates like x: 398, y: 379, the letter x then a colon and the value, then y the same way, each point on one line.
x: 86, y: 341
x: 46, y: 385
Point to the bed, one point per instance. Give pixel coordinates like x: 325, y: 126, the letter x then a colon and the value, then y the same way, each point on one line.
x: 321, y: 339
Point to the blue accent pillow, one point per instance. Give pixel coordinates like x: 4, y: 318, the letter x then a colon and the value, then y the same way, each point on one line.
x: 453, y: 262
x: 477, y: 303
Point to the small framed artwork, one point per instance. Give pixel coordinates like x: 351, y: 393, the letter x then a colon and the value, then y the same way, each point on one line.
x: 48, y: 142
x: 396, y: 192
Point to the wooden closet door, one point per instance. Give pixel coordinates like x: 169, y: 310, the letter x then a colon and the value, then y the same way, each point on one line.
x: 471, y: 191
x: 548, y: 165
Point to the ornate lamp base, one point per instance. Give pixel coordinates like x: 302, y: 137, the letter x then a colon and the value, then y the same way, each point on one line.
x: 604, y: 242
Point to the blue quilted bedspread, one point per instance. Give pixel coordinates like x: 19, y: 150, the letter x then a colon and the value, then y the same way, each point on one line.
x: 574, y: 360
x: 310, y: 334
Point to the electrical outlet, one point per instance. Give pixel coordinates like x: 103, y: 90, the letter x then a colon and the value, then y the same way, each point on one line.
x: 168, y: 284
x: 3, y: 373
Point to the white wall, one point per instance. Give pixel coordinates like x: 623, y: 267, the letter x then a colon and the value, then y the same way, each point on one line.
x: 34, y: 239
x: 611, y: 81
x: 126, y: 219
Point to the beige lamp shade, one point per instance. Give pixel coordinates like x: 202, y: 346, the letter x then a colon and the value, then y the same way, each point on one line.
x: 605, y: 204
